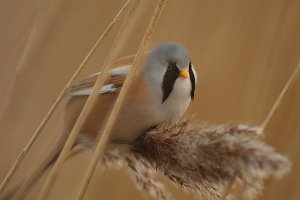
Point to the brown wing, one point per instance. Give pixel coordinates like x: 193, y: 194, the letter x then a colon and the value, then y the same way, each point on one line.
x: 134, y: 104
x: 80, y: 91
x: 118, y: 74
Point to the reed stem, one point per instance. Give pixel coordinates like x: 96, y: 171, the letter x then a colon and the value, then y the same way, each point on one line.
x: 104, y: 135
x: 56, y: 103
x: 269, y: 117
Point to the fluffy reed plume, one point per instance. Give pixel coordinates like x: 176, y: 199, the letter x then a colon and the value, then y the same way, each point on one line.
x: 202, y: 158
x: 140, y: 170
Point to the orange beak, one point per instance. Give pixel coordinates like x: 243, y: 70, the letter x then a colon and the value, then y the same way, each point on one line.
x: 184, y: 74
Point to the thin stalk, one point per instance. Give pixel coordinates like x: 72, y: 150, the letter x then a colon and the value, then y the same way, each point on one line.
x: 269, y: 117
x: 104, y: 135
x: 280, y: 98
x: 117, y: 45
x: 56, y: 103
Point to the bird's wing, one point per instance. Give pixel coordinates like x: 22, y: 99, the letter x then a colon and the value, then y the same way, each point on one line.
x: 117, y: 76
x: 104, y: 103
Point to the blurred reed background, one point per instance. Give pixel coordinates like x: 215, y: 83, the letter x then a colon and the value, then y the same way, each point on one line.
x: 244, y: 51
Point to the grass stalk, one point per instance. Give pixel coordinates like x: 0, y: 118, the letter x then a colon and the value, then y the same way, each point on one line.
x: 104, y: 135
x: 112, y: 56
x: 270, y: 115
x: 55, y: 104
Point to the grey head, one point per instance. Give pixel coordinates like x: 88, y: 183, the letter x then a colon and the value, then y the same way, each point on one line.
x: 169, y: 66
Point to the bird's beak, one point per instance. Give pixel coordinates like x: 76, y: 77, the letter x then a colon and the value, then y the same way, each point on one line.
x: 184, y: 74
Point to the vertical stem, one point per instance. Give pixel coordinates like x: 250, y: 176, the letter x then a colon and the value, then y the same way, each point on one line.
x: 104, y: 135
x: 269, y: 117
x: 117, y: 45
x: 280, y: 98
x: 56, y: 103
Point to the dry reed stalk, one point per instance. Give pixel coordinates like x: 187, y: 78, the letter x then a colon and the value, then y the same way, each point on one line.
x: 18, y: 193
x: 89, y: 104
x: 104, y: 133
x: 57, y: 101
x: 201, y: 158
x: 281, y: 96
x: 270, y: 115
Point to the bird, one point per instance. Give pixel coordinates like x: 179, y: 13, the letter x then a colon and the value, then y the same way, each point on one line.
x: 161, y: 92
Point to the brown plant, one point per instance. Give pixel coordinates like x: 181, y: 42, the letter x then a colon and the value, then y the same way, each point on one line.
x: 200, y: 157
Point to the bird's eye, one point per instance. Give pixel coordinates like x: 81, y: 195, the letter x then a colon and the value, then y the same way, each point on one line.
x: 169, y: 67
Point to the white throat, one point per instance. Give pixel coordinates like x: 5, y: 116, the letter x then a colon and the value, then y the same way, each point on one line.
x: 177, y: 103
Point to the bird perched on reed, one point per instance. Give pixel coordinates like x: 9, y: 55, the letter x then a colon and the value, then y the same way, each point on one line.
x: 161, y: 93
x: 197, y: 156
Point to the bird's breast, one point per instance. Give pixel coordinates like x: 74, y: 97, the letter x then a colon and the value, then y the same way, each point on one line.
x: 177, y: 103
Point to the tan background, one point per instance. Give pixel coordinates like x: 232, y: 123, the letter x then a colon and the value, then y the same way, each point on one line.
x: 244, y: 50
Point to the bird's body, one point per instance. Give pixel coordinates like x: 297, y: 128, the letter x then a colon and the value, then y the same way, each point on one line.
x: 135, y: 116
x: 145, y: 105
x: 161, y: 93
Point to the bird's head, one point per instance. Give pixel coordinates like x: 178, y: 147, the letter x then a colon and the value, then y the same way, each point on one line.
x: 170, y: 75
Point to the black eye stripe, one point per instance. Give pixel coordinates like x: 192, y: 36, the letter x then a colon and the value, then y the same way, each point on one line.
x: 169, y: 79
x: 193, y: 81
